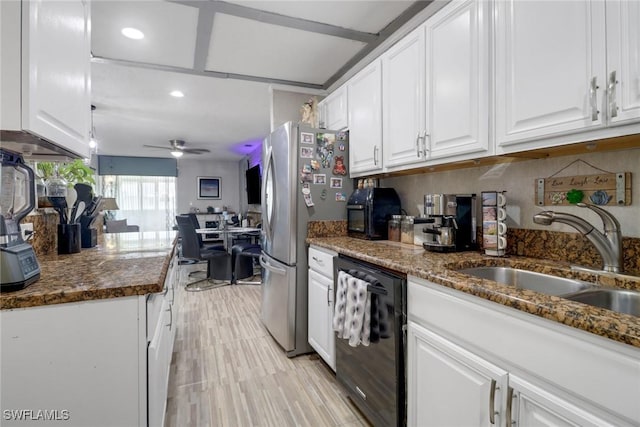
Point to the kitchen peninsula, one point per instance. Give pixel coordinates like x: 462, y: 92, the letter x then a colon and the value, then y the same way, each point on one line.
x: 93, y: 338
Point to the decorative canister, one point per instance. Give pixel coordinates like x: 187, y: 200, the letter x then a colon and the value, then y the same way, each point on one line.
x: 406, y: 227
x: 393, y: 228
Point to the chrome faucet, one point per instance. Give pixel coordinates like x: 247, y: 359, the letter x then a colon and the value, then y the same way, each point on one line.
x: 608, y: 244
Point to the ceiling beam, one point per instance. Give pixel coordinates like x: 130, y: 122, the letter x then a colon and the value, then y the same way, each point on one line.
x: 205, y: 73
x: 203, y: 38
x: 280, y: 20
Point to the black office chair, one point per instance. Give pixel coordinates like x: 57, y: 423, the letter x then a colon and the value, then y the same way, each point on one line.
x: 218, y: 261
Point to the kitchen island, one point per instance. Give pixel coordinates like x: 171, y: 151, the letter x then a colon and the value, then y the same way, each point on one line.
x: 90, y: 342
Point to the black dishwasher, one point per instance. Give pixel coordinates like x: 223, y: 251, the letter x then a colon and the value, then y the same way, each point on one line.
x: 374, y: 375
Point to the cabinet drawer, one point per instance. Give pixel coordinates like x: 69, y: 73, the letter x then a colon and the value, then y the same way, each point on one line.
x: 321, y: 261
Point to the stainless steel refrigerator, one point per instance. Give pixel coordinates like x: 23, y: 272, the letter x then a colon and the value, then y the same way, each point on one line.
x: 305, y: 178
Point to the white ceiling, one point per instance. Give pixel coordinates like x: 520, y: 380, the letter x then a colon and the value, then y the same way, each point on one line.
x: 223, y: 56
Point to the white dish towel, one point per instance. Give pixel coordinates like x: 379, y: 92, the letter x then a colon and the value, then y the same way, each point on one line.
x: 352, y: 310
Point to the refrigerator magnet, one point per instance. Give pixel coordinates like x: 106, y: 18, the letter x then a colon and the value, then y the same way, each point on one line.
x: 336, y: 183
x: 341, y: 146
x: 308, y: 200
x: 341, y: 197
x: 323, y: 194
x: 339, y: 168
x: 305, y: 176
x: 306, y: 168
x: 306, y: 152
x: 319, y: 179
x: 315, y: 165
x: 306, y: 138
x: 305, y: 189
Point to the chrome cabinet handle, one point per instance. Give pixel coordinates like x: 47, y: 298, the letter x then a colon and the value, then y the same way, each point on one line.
x: 510, y: 397
x: 418, y: 150
x: 318, y: 260
x: 492, y: 402
x: 593, y: 96
x: 613, y: 107
x: 170, y: 317
x: 424, y: 141
x: 328, y: 296
x: 375, y: 155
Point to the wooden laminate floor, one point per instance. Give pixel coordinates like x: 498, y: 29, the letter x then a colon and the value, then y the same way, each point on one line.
x: 228, y: 371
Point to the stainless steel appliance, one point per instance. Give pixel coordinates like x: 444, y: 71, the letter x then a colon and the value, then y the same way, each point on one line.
x: 18, y: 264
x: 304, y: 179
x: 369, y: 210
x: 374, y: 375
x: 452, y: 222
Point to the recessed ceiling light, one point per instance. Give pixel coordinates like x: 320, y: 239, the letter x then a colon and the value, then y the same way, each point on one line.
x: 132, y: 33
x: 176, y: 93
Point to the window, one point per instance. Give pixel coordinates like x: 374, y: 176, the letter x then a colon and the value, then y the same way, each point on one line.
x: 146, y: 201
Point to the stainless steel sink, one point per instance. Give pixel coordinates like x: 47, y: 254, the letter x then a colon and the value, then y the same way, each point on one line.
x: 620, y: 300
x: 523, y: 279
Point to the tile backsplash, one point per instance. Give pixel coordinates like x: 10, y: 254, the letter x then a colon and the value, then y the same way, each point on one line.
x: 518, y: 178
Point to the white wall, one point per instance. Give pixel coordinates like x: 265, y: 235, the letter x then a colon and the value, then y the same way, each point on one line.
x: 187, y: 192
x: 518, y: 179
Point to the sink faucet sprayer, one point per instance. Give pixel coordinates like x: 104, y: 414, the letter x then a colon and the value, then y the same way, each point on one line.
x: 608, y: 244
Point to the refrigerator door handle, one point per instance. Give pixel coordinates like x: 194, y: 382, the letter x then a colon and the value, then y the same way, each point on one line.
x: 265, y: 264
x: 269, y: 192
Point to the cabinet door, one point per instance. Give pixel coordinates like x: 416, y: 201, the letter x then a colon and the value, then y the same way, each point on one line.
x: 623, y: 60
x: 320, y: 310
x: 56, y: 72
x: 403, y: 101
x: 550, y: 70
x: 536, y: 407
x: 365, y: 119
x: 457, y: 76
x: 336, y: 109
x: 448, y: 385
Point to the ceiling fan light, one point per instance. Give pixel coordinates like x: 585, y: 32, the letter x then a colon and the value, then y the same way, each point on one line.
x: 176, y: 93
x: 177, y: 153
x: 132, y: 33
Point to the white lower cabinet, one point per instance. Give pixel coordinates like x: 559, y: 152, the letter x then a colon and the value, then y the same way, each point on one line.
x: 473, y: 362
x: 320, y: 305
x: 91, y: 363
x: 444, y: 378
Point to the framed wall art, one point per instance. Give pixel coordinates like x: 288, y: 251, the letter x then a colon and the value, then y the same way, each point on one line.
x: 209, y: 187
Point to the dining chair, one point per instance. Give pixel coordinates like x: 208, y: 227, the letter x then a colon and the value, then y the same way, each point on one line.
x: 218, y: 261
x: 217, y: 247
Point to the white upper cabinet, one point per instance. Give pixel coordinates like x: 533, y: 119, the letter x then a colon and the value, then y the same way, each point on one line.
x: 435, y: 89
x: 457, y: 81
x: 623, y: 60
x: 55, y: 81
x: 403, y: 118
x: 364, y: 91
x: 550, y: 75
x: 334, y: 110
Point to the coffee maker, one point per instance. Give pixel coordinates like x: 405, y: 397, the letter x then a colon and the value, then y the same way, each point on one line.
x: 451, y: 222
x: 18, y: 264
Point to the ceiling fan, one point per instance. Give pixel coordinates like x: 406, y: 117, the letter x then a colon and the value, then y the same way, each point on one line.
x: 177, y: 147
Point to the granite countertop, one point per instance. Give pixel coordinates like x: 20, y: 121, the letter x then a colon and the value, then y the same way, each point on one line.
x: 122, y: 264
x: 440, y: 268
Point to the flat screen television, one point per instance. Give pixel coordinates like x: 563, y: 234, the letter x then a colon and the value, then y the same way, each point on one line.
x: 253, y: 185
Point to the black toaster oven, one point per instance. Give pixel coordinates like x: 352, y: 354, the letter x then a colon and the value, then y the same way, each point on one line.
x: 369, y: 209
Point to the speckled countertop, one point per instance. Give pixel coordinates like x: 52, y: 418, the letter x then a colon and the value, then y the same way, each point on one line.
x: 440, y: 268
x: 123, y: 264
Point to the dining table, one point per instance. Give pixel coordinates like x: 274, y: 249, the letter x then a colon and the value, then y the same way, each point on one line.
x: 228, y: 232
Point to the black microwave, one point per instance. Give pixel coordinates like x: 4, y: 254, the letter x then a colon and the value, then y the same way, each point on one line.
x: 369, y: 209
